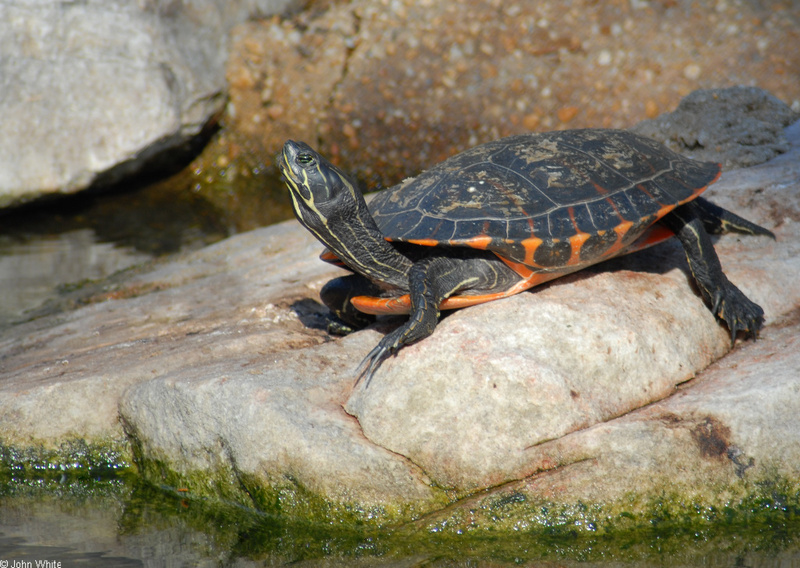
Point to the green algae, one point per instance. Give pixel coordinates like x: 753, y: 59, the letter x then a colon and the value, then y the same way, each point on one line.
x: 285, y: 498
x: 513, y: 527
x: 73, y: 463
x: 766, y: 504
x: 242, y: 516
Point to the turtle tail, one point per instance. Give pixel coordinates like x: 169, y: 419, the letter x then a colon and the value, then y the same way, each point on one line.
x: 717, y: 220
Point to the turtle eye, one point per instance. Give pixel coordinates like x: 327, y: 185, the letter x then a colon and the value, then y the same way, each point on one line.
x: 304, y: 159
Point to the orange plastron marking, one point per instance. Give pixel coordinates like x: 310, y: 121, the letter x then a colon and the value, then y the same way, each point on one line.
x: 402, y: 304
x: 382, y: 306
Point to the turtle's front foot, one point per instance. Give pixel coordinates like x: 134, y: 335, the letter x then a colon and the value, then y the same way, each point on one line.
x: 431, y: 280
x: 737, y: 311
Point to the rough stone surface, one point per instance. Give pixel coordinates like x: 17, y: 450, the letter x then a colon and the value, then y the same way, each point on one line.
x: 204, y: 305
x: 575, y: 354
x: 401, y: 85
x: 281, y: 421
x: 738, y: 127
x: 721, y: 437
x: 218, y: 363
x: 96, y: 89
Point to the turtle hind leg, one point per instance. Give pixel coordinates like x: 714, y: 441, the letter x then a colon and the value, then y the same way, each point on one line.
x: 726, y: 301
x: 336, y: 294
x: 717, y: 220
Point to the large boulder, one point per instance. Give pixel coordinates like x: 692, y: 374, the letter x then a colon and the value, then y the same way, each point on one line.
x: 217, y: 369
x: 96, y: 90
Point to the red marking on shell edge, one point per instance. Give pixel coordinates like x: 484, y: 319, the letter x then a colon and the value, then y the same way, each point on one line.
x: 700, y: 190
x: 715, y: 180
x: 576, y: 241
x: 530, y: 245
x: 622, y: 229
x: 652, y: 236
x: 664, y: 210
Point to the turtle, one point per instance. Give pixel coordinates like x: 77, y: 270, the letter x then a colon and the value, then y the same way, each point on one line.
x: 506, y: 216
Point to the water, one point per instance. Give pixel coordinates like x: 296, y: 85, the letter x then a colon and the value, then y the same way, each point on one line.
x: 122, y: 524
x: 49, y: 249
x: 32, y: 272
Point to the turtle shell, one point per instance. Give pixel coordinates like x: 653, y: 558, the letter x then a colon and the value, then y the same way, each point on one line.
x: 545, y: 202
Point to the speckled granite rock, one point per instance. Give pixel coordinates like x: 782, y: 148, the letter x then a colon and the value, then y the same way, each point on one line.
x: 401, y: 85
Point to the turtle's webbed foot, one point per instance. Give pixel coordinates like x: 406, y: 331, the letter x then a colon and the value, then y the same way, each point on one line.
x: 737, y: 311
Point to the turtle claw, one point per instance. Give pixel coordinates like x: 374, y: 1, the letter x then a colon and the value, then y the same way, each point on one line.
x: 382, y: 351
x: 738, y: 312
x: 366, y: 369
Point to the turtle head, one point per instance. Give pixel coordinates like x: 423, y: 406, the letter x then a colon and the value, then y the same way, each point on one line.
x: 320, y: 192
x: 330, y: 206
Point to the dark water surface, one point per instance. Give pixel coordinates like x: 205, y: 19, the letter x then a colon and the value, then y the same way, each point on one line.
x: 118, y: 523
x: 50, y: 247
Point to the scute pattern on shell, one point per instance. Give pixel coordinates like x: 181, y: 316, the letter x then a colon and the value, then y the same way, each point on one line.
x: 547, y: 186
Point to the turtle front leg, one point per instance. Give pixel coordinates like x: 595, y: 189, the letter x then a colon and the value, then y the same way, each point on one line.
x: 726, y: 301
x: 431, y: 280
x: 427, y: 292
